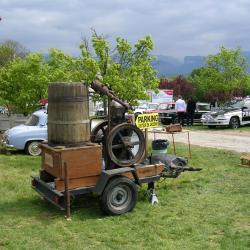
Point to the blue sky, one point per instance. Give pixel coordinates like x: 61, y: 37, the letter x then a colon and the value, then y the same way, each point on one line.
x: 178, y: 28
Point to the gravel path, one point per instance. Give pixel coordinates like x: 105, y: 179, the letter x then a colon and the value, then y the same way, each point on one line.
x: 229, y: 140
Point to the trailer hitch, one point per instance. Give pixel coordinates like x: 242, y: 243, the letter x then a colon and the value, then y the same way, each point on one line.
x: 175, y: 170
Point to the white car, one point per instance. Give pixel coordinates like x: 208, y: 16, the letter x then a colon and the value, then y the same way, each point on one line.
x: 145, y: 107
x: 235, y: 115
x: 28, y: 136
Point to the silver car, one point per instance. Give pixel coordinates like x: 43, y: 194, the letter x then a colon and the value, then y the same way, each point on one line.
x: 28, y: 136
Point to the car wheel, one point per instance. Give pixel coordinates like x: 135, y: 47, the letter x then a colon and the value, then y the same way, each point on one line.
x: 119, y: 196
x: 32, y: 148
x: 234, y: 122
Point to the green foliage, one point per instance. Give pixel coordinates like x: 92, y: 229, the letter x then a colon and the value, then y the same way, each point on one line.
x: 10, y: 50
x: 23, y: 82
x: 127, y: 70
x: 224, y: 72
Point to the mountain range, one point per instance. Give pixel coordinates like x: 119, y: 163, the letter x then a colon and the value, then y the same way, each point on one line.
x: 170, y: 66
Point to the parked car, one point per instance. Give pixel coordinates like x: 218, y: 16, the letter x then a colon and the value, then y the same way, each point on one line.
x: 28, y: 136
x: 234, y: 115
x: 3, y: 110
x: 168, y: 114
x: 145, y: 107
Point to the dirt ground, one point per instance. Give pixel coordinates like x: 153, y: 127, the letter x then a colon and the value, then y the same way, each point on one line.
x: 223, y: 139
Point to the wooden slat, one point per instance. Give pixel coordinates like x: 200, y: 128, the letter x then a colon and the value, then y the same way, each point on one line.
x: 142, y: 171
x: 68, y: 114
x: 81, y: 161
x: 77, y: 182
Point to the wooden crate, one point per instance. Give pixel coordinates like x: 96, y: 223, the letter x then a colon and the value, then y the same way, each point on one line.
x: 142, y: 171
x: 83, y: 161
x: 245, y: 160
x: 174, y: 128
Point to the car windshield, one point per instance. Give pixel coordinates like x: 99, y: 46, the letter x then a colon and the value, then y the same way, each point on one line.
x: 152, y: 106
x: 203, y: 107
x: 32, y: 121
x: 237, y: 105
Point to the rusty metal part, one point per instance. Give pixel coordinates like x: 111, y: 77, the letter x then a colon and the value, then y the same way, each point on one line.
x: 125, y: 145
x: 101, y: 89
x: 67, y: 194
x: 98, y: 132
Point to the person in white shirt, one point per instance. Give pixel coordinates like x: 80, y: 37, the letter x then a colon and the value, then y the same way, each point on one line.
x: 180, y: 108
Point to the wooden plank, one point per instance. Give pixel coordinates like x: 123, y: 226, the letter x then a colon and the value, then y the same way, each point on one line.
x: 68, y: 114
x: 76, y: 183
x: 147, y: 171
x: 245, y: 157
x: 142, y: 171
x: 51, y: 162
x: 81, y: 161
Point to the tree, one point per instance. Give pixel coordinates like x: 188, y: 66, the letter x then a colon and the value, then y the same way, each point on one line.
x: 23, y: 82
x: 180, y: 86
x: 223, y: 76
x: 126, y: 70
x: 10, y: 50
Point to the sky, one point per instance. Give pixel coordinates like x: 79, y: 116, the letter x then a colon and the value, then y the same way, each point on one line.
x: 178, y: 28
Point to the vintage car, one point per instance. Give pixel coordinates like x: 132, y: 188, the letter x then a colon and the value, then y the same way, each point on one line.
x: 28, y: 136
x: 233, y: 115
x: 168, y: 114
x: 145, y: 108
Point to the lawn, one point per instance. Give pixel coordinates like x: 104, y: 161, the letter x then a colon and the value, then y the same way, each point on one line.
x: 242, y: 129
x: 199, y: 210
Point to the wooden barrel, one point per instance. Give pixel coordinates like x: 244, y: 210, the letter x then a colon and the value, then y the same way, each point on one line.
x: 68, y: 114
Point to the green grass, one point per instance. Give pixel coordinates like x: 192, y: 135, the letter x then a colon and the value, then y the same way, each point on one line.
x: 199, y: 210
x: 197, y: 127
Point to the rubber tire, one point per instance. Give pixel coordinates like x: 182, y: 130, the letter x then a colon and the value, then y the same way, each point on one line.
x: 234, y: 121
x: 28, y: 148
x: 105, y: 199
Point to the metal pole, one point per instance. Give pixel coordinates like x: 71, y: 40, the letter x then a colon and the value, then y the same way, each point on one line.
x: 67, y: 194
x: 173, y: 142
x: 146, y: 139
x: 109, y: 114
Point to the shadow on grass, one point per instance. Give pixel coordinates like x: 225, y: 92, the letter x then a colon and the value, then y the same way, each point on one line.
x: 41, y: 210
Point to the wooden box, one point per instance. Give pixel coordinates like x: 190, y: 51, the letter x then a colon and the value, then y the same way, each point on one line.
x: 174, y: 128
x: 143, y: 171
x: 245, y: 160
x: 83, y: 161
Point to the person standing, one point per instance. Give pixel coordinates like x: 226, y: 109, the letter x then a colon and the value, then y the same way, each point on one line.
x: 180, y: 108
x: 191, y: 106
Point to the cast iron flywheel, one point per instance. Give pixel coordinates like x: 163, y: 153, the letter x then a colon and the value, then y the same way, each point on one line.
x: 98, y: 133
x: 125, y: 145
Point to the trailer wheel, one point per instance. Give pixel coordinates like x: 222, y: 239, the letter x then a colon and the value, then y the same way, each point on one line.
x: 119, y: 196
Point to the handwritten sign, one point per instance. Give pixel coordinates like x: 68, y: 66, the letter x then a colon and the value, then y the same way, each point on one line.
x: 147, y: 121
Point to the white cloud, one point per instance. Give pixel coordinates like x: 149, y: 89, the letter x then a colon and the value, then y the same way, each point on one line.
x: 178, y: 28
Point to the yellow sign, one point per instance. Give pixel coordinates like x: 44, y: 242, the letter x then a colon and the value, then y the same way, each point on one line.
x: 147, y: 121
